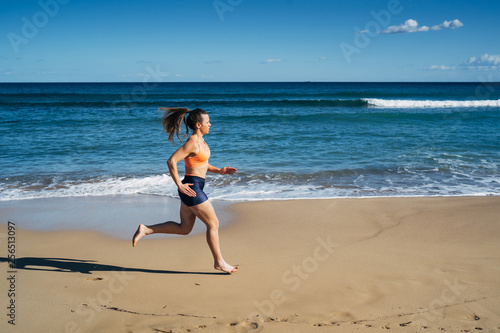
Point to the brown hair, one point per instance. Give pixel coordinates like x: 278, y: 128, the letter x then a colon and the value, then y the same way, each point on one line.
x: 173, y: 117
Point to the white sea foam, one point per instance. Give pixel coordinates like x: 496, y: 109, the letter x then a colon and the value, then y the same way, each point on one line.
x: 156, y: 185
x: 252, y: 189
x: 409, y: 104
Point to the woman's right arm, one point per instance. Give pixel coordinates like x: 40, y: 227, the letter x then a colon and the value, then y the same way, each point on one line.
x: 180, y: 154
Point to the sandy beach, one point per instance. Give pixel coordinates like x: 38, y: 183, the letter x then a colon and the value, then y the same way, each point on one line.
x: 333, y: 265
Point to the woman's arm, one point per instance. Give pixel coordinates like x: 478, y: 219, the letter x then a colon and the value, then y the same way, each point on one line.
x: 224, y: 171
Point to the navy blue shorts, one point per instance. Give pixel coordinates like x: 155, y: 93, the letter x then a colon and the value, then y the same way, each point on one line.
x: 198, y: 185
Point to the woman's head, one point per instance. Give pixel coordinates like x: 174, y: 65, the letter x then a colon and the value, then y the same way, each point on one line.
x: 194, y: 117
x: 173, y: 117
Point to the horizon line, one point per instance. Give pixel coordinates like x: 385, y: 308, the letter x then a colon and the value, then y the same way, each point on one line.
x: 168, y: 82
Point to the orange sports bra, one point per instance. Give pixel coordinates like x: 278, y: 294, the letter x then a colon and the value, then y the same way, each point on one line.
x: 199, y: 160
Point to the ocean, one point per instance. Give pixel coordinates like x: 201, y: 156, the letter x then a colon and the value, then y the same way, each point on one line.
x: 287, y: 140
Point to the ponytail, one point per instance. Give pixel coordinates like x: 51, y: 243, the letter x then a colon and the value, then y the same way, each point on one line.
x: 173, y: 117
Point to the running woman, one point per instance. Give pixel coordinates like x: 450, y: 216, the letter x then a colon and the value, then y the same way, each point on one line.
x: 194, y: 202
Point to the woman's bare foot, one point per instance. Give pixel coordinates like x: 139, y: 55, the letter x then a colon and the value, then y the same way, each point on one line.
x: 225, y: 267
x: 141, y: 232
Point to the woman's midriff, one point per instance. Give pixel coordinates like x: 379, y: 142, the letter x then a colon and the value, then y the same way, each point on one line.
x: 197, y: 171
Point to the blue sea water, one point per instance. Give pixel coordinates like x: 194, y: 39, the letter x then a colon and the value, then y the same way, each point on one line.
x: 287, y: 140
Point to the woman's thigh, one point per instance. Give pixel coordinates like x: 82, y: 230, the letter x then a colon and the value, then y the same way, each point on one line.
x: 206, y: 213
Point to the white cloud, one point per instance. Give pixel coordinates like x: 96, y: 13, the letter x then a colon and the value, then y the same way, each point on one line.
x: 412, y: 26
x: 178, y: 75
x: 409, y: 26
x: 486, y: 61
x: 270, y: 60
x: 455, y: 24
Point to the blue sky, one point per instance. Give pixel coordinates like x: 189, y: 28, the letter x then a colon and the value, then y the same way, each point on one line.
x: 249, y: 40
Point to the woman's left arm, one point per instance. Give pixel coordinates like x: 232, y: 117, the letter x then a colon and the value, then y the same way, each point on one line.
x: 224, y: 171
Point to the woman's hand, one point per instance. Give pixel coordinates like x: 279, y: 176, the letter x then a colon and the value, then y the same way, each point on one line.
x: 187, y: 190
x: 228, y: 171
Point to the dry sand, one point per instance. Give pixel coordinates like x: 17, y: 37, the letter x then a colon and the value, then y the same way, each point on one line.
x: 339, y: 265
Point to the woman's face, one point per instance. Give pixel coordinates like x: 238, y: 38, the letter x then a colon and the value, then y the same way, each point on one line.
x: 205, y: 124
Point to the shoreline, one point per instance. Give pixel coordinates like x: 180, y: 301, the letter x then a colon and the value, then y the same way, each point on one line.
x: 130, y: 210
x: 371, y: 264
x: 111, y: 215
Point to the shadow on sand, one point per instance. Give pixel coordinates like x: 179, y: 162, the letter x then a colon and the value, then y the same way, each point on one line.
x: 85, y: 266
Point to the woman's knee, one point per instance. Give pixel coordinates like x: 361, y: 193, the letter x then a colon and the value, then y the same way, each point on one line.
x: 215, y: 222
x: 186, y: 227
x: 212, y: 224
x: 185, y: 230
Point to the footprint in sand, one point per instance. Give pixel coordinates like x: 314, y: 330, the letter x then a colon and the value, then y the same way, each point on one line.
x: 245, y: 325
x: 95, y: 279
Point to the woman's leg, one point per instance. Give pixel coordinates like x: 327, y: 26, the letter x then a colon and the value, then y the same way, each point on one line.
x: 205, y: 212
x: 170, y: 227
